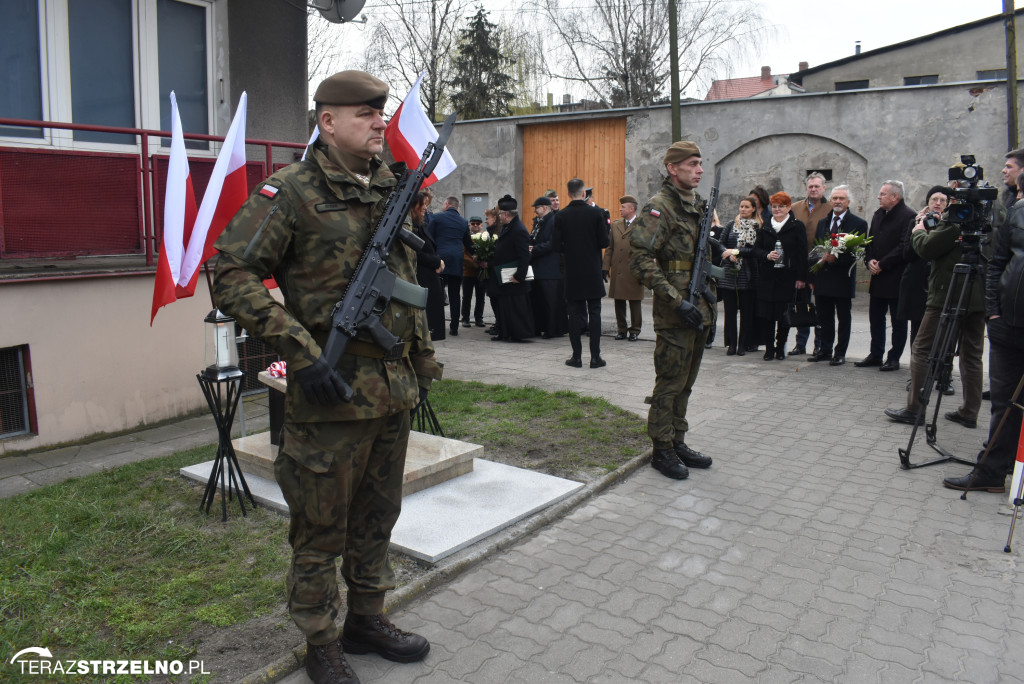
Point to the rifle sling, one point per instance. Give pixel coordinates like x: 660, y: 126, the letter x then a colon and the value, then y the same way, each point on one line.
x: 372, y: 351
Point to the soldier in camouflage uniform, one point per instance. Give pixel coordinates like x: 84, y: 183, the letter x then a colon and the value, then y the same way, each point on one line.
x: 340, y: 464
x: 663, y: 243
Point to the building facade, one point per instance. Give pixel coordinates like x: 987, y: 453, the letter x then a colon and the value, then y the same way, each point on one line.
x: 80, y: 210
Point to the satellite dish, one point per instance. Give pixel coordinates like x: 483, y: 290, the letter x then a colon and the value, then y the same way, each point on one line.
x: 338, y: 11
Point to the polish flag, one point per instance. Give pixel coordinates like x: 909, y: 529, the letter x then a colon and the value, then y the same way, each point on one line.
x: 189, y: 233
x: 225, y: 194
x: 1018, y: 467
x: 410, y: 130
x: 179, y: 218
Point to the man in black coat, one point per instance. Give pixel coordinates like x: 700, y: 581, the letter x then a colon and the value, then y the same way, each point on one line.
x: 548, y: 293
x: 835, y: 284
x: 884, y: 258
x: 581, y: 232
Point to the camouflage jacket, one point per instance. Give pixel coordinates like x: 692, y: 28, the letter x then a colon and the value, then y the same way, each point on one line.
x: 663, y: 241
x: 307, y: 226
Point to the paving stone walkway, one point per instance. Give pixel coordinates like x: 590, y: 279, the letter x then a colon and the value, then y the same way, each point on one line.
x: 805, y: 554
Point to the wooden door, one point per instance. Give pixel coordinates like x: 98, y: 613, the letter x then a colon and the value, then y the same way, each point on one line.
x: 593, y: 150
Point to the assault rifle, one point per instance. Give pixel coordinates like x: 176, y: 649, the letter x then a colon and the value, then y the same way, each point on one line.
x: 373, y: 286
x: 703, y: 270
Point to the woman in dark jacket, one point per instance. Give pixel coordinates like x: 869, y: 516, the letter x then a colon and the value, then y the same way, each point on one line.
x: 779, y: 276
x: 736, y: 289
x: 428, y: 266
x: 511, y: 250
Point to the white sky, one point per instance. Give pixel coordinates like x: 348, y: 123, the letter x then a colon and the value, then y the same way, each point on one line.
x: 804, y: 30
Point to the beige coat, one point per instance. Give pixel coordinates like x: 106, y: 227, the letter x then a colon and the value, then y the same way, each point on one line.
x: 810, y: 219
x: 616, y: 260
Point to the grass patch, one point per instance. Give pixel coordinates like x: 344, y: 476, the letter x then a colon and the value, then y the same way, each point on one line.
x: 559, y: 433
x: 123, y: 564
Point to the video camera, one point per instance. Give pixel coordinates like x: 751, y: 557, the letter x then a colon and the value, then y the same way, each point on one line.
x: 971, y: 199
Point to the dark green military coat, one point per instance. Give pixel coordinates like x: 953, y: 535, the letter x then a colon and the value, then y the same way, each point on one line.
x: 663, y: 241
x: 307, y: 226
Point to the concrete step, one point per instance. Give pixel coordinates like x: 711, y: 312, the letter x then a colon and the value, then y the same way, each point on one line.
x: 430, y: 460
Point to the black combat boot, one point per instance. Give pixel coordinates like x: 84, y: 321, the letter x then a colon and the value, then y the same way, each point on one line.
x: 327, y: 665
x: 691, y: 458
x: 667, y: 463
x: 376, y: 634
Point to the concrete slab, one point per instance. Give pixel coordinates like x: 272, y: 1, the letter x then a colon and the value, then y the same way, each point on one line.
x: 441, y: 520
x: 448, y: 517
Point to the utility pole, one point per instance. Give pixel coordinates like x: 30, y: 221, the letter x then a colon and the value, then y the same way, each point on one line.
x: 673, y: 38
x: 1011, y: 74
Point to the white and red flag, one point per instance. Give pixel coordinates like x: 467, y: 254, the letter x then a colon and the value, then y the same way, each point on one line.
x: 1018, y: 466
x: 410, y: 130
x: 189, y: 233
x: 179, y: 218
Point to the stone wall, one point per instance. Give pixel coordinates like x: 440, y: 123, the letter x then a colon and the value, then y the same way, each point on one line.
x: 865, y: 137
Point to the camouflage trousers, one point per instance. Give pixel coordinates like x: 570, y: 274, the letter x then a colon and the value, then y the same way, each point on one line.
x: 343, y: 485
x: 675, y: 369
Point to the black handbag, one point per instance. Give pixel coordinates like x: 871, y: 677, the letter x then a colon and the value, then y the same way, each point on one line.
x: 800, y: 312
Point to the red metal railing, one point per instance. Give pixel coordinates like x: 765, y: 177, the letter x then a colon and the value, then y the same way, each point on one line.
x: 150, y: 167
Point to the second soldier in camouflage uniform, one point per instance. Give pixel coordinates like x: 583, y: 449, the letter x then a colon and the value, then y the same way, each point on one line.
x: 341, y: 464
x: 663, y: 242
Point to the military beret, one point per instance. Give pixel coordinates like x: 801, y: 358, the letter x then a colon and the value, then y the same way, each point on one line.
x: 541, y: 202
x: 628, y: 199
x: 352, y: 88
x: 551, y: 193
x: 508, y: 203
x: 475, y: 219
x: 681, y: 151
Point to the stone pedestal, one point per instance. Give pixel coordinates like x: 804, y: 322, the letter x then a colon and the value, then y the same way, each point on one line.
x: 430, y: 459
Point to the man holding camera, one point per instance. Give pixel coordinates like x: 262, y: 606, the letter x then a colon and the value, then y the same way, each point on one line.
x: 939, y: 241
x: 1004, y: 308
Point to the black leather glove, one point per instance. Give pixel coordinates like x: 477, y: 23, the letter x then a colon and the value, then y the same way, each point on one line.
x: 690, y: 314
x: 322, y: 385
x: 604, y: 274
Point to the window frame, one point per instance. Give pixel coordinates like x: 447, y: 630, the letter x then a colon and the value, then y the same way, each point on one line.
x: 29, y: 407
x: 55, y: 72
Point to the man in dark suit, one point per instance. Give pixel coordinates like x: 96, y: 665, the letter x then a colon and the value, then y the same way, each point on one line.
x: 884, y: 258
x: 581, y: 232
x: 835, y: 284
x: 450, y: 233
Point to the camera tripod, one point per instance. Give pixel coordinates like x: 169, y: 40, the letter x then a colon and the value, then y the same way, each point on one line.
x: 940, y: 359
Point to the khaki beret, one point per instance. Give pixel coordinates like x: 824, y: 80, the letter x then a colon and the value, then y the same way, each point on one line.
x: 628, y: 199
x: 681, y: 151
x: 352, y: 88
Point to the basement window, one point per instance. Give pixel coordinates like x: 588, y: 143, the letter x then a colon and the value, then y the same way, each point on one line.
x: 17, y: 405
x: 991, y: 74
x: 852, y: 85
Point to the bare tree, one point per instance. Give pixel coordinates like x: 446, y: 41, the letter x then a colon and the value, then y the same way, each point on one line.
x: 410, y: 37
x: 524, y: 46
x: 619, y: 49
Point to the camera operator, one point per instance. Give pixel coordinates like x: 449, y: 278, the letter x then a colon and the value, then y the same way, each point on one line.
x: 937, y: 240
x: 1004, y: 308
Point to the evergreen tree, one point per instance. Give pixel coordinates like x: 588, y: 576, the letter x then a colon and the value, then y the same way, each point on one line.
x: 482, y: 84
